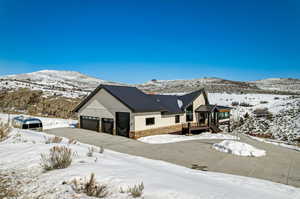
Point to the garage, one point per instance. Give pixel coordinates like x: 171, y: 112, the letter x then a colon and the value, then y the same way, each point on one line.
x: 89, y: 123
x: 107, y: 125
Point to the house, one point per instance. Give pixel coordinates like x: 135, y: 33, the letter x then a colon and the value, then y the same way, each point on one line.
x: 129, y: 112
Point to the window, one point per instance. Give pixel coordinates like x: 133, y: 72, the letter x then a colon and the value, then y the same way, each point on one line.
x: 177, y: 118
x: 189, y: 113
x: 35, y: 125
x: 223, y: 115
x: 150, y: 121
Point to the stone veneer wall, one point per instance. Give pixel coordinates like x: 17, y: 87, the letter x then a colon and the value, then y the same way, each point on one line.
x: 156, y: 131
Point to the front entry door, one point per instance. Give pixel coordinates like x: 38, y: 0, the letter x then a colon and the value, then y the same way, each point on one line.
x: 122, y: 123
x: 107, y: 125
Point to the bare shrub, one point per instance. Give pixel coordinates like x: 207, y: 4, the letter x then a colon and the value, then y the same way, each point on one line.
x: 101, y: 150
x: 264, y: 102
x: 91, y: 187
x: 246, y: 116
x: 263, y: 112
x: 136, y: 191
x: 51, y: 140
x: 90, y: 152
x: 7, y: 187
x: 72, y: 141
x: 94, y: 149
x: 245, y: 104
x: 235, y: 103
x: 4, y: 131
x: 60, y: 157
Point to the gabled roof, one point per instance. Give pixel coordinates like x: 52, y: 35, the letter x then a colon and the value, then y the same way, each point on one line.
x: 189, y: 98
x: 138, y: 101
x: 133, y: 98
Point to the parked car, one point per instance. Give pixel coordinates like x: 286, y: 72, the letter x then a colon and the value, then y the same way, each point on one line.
x: 27, y: 123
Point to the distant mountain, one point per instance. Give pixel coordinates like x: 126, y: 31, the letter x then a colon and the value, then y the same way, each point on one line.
x: 65, y: 83
x: 279, y: 84
x: 59, y: 78
x: 210, y: 84
x: 75, y: 84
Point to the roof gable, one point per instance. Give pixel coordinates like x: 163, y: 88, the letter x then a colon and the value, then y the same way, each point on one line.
x: 131, y: 97
x: 138, y: 101
x: 190, y: 97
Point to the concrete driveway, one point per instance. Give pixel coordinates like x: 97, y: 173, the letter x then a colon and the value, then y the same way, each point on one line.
x: 279, y: 165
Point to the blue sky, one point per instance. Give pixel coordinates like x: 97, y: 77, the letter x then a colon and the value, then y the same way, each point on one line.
x: 136, y: 41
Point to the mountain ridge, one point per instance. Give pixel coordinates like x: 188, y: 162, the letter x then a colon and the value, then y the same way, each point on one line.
x: 82, y: 84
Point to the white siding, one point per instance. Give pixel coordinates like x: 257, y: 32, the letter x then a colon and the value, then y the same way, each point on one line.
x: 200, y: 100
x: 104, y: 105
x: 160, y: 120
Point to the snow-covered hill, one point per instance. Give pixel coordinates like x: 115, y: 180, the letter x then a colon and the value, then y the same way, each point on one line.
x: 68, y: 79
x: 210, y: 84
x: 218, y: 85
x: 279, y: 84
x: 75, y: 84
x: 64, y: 83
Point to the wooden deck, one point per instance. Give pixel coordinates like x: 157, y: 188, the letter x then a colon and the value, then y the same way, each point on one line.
x: 189, y: 127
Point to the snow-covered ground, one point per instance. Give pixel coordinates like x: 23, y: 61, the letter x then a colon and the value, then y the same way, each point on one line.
x: 275, y: 103
x: 284, y: 125
x: 21, y: 154
x: 169, y: 138
x: 238, y: 148
x: 48, y: 123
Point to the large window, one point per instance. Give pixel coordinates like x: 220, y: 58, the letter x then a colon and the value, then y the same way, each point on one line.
x: 150, y: 121
x: 189, y: 113
x: 223, y: 115
x: 177, y: 118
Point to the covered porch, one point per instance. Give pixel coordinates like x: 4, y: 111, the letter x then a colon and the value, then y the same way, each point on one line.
x: 209, y: 117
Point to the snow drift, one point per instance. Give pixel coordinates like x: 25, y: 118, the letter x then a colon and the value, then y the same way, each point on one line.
x: 238, y: 148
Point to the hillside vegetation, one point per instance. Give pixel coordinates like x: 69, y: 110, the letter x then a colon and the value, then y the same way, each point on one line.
x: 31, y: 102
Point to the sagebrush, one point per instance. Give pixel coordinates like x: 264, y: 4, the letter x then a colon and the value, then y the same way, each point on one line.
x: 7, y: 187
x: 92, y: 149
x: 51, y: 140
x: 136, y: 190
x: 60, y: 157
x: 4, y: 131
x: 90, y: 187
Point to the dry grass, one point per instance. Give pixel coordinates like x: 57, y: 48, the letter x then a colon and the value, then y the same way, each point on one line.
x: 7, y: 189
x: 60, y: 157
x: 51, y: 140
x: 90, y: 152
x: 101, y: 150
x: 72, y: 141
x: 90, y: 188
x: 135, y: 191
x: 94, y: 149
x: 34, y: 103
x: 4, y: 131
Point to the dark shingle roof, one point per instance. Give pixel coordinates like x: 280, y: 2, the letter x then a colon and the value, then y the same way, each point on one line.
x: 169, y: 102
x: 133, y: 98
x: 189, y: 98
x: 138, y: 101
